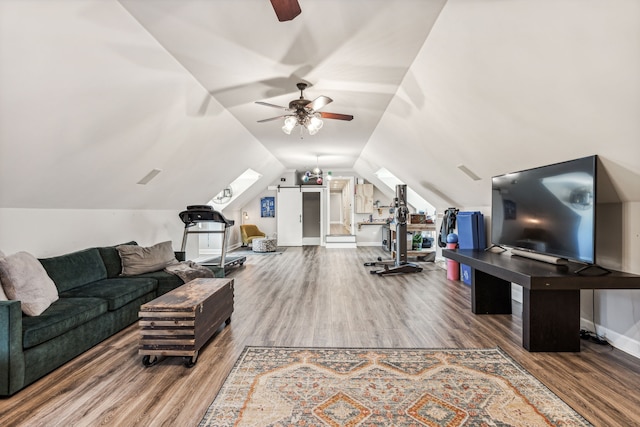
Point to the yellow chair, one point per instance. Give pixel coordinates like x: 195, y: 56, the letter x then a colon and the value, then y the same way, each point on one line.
x: 250, y: 232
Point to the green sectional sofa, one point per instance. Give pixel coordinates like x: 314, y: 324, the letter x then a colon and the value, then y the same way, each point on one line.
x: 94, y: 303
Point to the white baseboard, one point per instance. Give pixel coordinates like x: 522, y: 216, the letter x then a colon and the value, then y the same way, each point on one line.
x: 619, y: 341
x: 209, y: 252
x: 369, y: 244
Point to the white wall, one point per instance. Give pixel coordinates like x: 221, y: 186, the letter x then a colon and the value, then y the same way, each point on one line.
x: 335, y: 206
x: 91, y: 103
x: 617, y: 313
x: 51, y: 232
x: 267, y: 225
x: 499, y: 87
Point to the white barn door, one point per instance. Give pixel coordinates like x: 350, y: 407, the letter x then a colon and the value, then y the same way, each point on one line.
x: 289, y: 216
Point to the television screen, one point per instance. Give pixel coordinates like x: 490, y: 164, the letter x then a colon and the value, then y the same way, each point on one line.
x: 549, y: 210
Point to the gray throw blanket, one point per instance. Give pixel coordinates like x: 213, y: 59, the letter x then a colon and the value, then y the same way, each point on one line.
x: 189, y: 270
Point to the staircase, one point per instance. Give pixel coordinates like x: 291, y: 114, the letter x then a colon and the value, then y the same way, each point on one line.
x: 337, y: 241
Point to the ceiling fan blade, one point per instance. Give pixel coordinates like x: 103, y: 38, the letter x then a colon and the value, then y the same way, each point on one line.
x: 286, y: 10
x: 318, y: 103
x: 274, y: 118
x: 336, y: 116
x: 272, y: 105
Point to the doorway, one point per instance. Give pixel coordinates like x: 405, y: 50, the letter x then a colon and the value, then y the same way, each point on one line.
x: 311, y: 218
x: 340, y: 207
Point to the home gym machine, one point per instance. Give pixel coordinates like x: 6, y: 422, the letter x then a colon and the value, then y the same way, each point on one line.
x: 205, y: 213
x: 399, y: 265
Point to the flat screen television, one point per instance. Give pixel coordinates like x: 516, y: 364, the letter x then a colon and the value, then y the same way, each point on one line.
x: 549, y: 210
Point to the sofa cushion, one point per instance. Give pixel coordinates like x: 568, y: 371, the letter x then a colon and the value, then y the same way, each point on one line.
x: 24, y: 279
x: 166, y: 281
x: 117, y: 291
x: 62, y: 316
x: 111, y: 259
x: 75, y: 269
x: 138, y: 259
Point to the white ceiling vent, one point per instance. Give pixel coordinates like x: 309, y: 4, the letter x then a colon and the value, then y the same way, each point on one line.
x: 469, y: 173
x: 148, y: 177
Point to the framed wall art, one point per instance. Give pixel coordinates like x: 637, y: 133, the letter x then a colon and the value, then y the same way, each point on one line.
x: 268, y: 207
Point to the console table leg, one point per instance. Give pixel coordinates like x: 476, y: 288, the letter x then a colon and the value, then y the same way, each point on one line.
x: 489, y: 294
x: 551, y: 320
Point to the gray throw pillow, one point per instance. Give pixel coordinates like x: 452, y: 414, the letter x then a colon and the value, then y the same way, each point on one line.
x: 24, y: 279
x: 139, y: 259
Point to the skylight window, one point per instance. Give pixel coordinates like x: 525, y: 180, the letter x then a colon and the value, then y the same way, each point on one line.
x: 413, y: 198
x: 235, y: 189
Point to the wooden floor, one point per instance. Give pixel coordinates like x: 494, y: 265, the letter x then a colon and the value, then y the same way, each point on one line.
x: 315, y: 297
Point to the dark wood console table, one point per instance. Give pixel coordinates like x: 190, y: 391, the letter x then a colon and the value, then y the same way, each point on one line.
x: 550, y: 294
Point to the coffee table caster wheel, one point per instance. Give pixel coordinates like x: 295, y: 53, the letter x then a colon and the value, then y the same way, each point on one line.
x: 190, y: 362
x: 149, y: 360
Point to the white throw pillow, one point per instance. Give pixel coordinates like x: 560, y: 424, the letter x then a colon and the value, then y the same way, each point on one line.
x: 25, y: 279
x: 138, y: 259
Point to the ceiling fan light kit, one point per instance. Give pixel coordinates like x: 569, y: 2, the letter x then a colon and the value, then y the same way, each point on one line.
x: 289, y: 123
x: 313, y: 124
x: 305, y: 113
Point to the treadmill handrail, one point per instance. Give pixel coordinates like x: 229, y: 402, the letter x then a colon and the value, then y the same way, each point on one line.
x: 192, y: 217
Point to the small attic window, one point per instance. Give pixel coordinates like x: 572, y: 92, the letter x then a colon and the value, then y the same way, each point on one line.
x: 235, y: 189
x: 413, y: 198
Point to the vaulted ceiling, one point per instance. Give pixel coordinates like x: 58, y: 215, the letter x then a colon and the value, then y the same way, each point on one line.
x: 97, y: 93
x: 356, y: 52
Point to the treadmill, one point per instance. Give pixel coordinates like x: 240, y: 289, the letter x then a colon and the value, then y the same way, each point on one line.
x: 205, y: 213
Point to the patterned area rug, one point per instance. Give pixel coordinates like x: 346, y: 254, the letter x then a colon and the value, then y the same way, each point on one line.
x: 271, y: 386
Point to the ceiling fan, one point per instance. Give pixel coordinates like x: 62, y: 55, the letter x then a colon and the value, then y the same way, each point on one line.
x: 286, y: 10
x: 304, y: 112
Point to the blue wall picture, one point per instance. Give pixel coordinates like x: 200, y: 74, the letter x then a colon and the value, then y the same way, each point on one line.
x: 268, y: 207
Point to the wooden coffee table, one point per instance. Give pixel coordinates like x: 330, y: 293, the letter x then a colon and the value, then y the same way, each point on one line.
x: 181, y: 321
